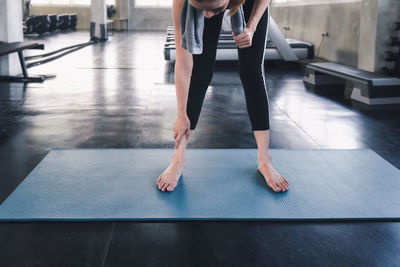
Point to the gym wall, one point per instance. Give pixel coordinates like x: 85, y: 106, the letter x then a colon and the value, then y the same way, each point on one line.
x: 308, y: 22
x: 144, y: 18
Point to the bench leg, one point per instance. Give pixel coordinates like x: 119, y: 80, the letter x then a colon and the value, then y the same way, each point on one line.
x: 23, y: 66
x: 25, y: 78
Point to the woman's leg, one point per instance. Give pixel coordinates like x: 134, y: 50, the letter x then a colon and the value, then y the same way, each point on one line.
x: 252, y: 75
x: 202, y: 72
x: 203, y: 68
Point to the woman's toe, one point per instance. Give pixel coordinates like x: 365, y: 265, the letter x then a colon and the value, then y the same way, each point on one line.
x: 287, y: 185
x: 170, y: 188
x: 281, y: 187
x: 160, y: 183
x: 165, y: 186
x: 276, y: 188
x: 173, y: 185
x: 286, y: 181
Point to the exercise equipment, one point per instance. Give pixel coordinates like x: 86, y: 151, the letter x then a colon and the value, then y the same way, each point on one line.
x: 27, y: 10
x: 367, y: 87
x: 54, y: 22
x: 48, y: 23
x: 277, y: 47
x: 19, y: 47
x: 45, y: 58
x: 68, y: 21
x: 65, y: 22
x: 393, y: 54
x: 111, y: 11
x: 42, y: 24
x: 37, y: 24
x: 217, y: 184
x: 73, y: 21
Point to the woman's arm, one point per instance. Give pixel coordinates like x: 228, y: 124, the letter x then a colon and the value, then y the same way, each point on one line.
x: 184, y: 62
x: 258, y: 10
x: 183, y: 73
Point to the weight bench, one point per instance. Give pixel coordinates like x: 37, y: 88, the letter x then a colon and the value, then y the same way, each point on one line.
x: 367, y: 87
x: 18, y: 47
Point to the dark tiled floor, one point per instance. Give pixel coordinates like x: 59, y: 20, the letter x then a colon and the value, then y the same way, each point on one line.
x: 121, y: 94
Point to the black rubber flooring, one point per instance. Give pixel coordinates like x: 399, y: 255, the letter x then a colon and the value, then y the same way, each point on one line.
x: 121, y: 94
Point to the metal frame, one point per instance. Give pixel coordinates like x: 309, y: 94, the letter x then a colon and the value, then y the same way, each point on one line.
x: 19, y: 49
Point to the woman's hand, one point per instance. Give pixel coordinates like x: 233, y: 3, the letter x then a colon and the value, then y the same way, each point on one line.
x: 244, y: 39
x: 181, y: 128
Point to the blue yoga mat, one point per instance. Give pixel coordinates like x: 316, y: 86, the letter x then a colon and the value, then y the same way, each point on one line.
x: 217, y: 184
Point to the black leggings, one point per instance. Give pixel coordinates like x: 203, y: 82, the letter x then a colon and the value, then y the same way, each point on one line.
x: 251, y: 70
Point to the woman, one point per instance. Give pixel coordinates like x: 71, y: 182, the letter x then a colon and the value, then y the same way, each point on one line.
x: 193, y: 74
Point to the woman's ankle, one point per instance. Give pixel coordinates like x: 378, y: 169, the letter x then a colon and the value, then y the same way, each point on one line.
x: 177, y: 159
x: 264, y: 158
x: 179, y: 155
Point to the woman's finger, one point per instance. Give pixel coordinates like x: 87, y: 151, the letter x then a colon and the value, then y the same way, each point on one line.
x: 247, y: 39
x: 245, y: 45
x: 243, y: 42
x: 187, y: 134
x: 239, y: 37
x: 178, y: 140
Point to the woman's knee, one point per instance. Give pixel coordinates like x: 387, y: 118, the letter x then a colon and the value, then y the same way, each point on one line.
x: 201, y: 77
x: 251, y: 74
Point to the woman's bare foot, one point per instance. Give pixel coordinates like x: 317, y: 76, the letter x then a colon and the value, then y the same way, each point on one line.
x: 170, y: 177
x: 277, y: 182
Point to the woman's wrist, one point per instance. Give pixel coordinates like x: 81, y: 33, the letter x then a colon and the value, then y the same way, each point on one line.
x: 252, y: 24
x: 181, y: 114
